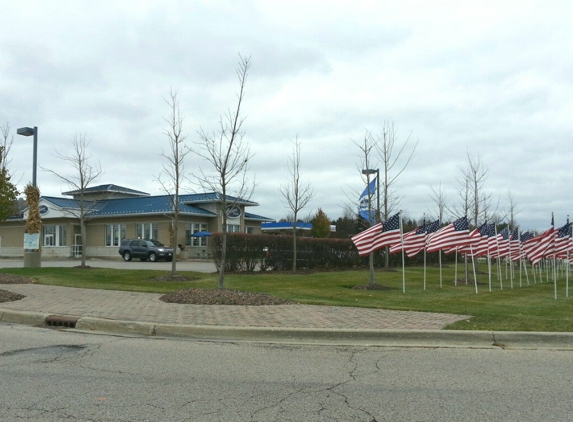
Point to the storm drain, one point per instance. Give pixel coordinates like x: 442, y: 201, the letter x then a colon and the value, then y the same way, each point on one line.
x: 61, y: 321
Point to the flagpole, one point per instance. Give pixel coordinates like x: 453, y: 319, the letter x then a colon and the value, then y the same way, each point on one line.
x: 567, y: 268
x: 489, y: 270
x: 554, y: 275
x: 567, y: 276
x: 474, y: 265
x: 440, y: 260
x: 456, y: 269
x: 403, y: 265
x: 519, y: 254
x: 533, y: 270
x: 554, y: 270
x: 424, y: 267
x: 499, y: 274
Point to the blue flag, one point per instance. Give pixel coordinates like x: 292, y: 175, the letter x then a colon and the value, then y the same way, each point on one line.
x: 363, y: 203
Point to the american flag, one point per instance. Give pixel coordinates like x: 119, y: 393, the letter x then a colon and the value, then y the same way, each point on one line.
x: 514, y: 245
x: 524, y: 237
x: 413, y: 242
x: 451, y: 236
x: 501, y: 248
x: 397, y: 247
x: 478, y: 240
x: 563, y: 240
x: 376, y: 237
x: 536, y: 248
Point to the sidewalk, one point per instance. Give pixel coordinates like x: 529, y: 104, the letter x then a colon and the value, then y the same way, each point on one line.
x: 144, y: 314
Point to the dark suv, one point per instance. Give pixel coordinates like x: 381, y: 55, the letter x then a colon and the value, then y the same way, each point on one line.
x: 144, y: 250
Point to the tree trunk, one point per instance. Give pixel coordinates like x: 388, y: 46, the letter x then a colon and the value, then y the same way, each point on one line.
x: 294, y: 250
x: 174, y: 260
x: 223, y: 259
x: 83, y: 242
x: 371, y: 266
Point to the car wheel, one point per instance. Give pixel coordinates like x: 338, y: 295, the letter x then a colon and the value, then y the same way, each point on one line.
x: 126, y: 256
x: 152, y: 257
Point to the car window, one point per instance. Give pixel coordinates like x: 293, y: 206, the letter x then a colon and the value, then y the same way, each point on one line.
x: 134, y: 243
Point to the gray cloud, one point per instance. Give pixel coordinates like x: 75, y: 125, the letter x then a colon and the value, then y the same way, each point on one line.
x: 489, y: 79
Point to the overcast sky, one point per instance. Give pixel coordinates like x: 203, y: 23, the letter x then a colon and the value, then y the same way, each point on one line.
x: 492, y: 79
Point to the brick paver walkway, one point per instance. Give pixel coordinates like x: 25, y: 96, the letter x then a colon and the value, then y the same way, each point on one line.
x: 146, y: 307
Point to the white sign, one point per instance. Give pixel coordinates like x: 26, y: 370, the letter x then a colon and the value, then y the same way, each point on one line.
x: 32, y: 241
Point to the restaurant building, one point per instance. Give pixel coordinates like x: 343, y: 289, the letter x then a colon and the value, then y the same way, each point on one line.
x: 115, y: 212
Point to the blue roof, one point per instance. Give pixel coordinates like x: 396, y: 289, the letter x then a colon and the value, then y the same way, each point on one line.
x: 214, y: 197
x: 147, y: 205
x: 130, y: 206
x: 107, y: 188
x: 63, y: 202
x: 150, y: 205
x: 249, y: 216
x: 286, y: 226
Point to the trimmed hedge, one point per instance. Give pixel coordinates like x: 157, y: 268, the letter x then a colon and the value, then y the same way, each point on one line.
x: 254, y: 252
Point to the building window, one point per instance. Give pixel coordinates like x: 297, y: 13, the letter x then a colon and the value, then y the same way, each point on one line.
x: 249, y: 229
x: 191, y: 228
x: 146, y: 231
x: 233, y: 228
x: 113, y: 234
x: 54, y: 235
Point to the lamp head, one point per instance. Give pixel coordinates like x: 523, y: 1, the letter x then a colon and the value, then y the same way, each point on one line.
x: 25, y: 131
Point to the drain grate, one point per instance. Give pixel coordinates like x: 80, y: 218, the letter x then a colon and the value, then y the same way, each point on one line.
x: 61, y: 321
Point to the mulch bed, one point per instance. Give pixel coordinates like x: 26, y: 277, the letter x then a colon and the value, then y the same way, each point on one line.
x: 222, y: 297
x: 14, y: 279
x: 6, y: 296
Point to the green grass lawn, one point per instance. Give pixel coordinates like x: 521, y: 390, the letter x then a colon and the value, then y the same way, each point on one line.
x: 531, y: 307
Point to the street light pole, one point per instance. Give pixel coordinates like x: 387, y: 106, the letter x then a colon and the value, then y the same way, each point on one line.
x: 32, y: 248
x: 28, y: 131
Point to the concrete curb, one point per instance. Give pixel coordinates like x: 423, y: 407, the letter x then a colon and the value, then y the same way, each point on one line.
x: 364, y: 337
x: 116, y: 326
x: 533, y: 340
x: 359, y: 337
x: 24, y: 318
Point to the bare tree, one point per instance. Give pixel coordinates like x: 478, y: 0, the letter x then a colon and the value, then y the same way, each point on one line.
x: 512, y: 210
x: 84, y: 173
x: 438, y: 196
x: 174, y: 166
x: 465, y: 196
x: 228, y: 156
x: 478, y: 201
x: 395, y: 159
x: 368, y: 205
x: 296, y: 193
x: 6, y: 145
x: 368, y: 196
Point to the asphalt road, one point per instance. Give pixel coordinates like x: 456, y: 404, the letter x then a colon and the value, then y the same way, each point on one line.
x: 56, y: 375
x: 203, y: 265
